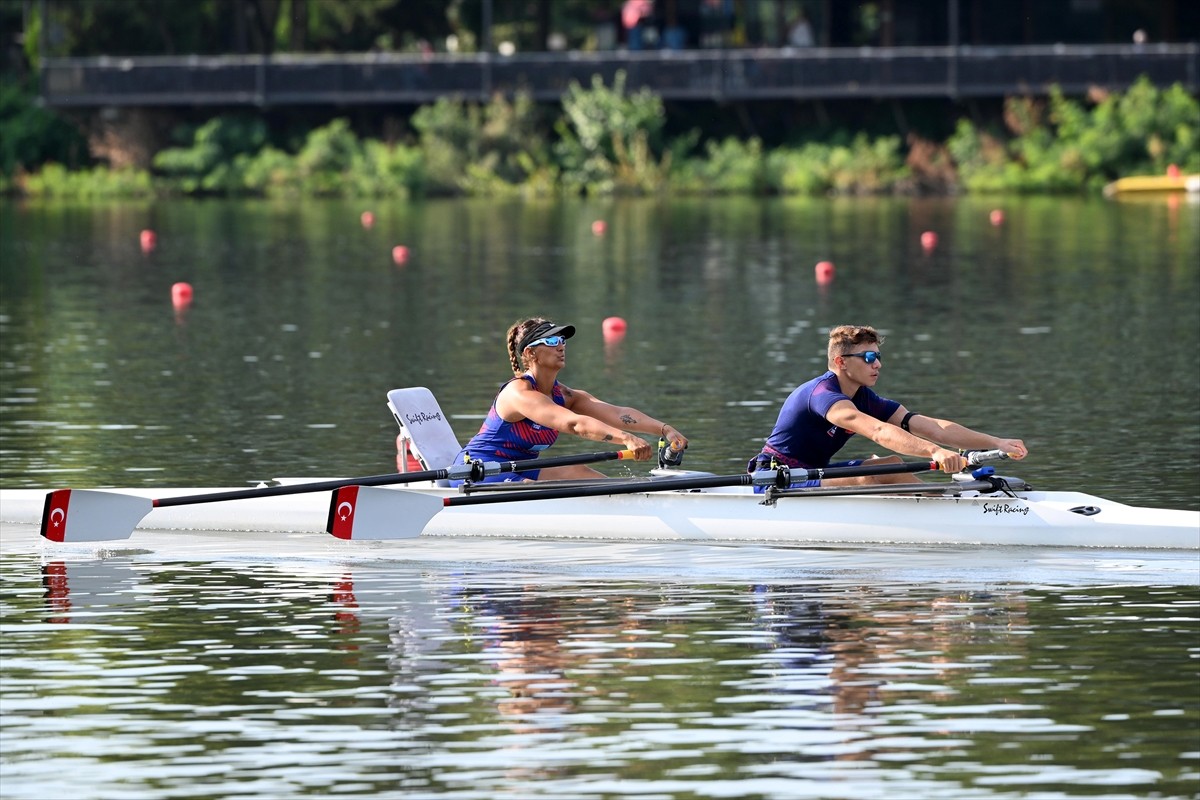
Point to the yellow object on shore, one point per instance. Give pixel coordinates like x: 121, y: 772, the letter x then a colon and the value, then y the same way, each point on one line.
x: 1154, y: 183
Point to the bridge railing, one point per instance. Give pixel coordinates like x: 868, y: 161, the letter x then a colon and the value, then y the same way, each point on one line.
x: 726, y: 75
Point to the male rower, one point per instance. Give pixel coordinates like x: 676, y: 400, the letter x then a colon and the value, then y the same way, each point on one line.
x: 820, y: 416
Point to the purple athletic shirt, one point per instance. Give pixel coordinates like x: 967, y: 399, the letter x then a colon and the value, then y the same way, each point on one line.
x: 802, y: 434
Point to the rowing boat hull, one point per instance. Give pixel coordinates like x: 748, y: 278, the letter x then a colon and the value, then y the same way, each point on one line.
x: 721, y: 515
x: 1037, y: 518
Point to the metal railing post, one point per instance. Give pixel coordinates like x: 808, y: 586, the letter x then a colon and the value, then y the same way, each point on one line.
x: 952, y: 62
x: 486, y: 71
x: 260, y: 81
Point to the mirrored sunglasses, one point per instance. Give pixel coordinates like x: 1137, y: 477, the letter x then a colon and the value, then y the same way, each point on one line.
x: 550, y: 341
x: 869, y: 356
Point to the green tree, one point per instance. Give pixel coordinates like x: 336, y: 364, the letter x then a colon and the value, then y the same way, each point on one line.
x: 609, y: 140
x: 130, y: 27
x: 482, y: 150
x: 31, y: 136
x: 1065, y: 146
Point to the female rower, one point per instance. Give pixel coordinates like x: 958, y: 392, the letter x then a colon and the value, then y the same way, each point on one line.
x: 533, y: 408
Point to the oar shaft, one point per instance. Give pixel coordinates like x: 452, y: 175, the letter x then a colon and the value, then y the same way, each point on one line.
x: 888, y: 488
x: 563, y: 461
x: 606, y: 488
x: 299, y: 488
x: 687, y: 483
x: 974, y: 458
x: 489, y: 468
x: 862, y: 470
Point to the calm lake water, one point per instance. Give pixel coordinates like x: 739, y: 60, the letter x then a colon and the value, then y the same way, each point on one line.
x: 1074, y: 325
x: 168, y: 668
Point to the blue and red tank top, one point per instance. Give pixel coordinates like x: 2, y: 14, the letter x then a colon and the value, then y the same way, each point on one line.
x: 501, y: 440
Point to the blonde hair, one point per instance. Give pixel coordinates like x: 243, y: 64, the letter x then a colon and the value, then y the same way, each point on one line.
x: 516, y: 333
x: 844, y: 338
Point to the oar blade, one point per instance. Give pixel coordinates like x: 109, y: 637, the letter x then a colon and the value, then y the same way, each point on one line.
x: 365, y: 513
x: 88, y: 515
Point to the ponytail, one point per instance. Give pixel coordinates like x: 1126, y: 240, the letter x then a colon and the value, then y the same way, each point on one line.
x: 515, y: 334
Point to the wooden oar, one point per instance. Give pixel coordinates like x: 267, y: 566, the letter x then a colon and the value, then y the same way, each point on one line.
x: 96, y: 515
x: 364, y: 513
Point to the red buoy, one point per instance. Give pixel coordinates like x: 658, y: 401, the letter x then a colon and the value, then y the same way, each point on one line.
x: 181, y: 295
x: 149, y: 240
x: 613, y: 328
x: 599, y: 227
x: 400, y: 254
x: 824, y: 271
x: 368, y: 219
x: 997, y: 217
x: 929, y: 240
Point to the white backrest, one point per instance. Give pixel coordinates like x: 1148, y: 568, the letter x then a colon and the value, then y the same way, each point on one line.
x: 424, y: 425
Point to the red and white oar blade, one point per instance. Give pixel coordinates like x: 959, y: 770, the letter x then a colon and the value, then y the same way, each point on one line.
x: 367, y: 513
x: 87, y: 515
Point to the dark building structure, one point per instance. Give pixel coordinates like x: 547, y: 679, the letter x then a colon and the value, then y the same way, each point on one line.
x: 689, y: 50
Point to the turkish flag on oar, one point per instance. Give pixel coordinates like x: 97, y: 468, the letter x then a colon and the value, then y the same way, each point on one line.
x: 91, y: 515
x: 97, y: 515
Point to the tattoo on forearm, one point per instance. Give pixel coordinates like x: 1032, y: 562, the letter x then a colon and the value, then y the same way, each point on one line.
x: 628, y: 420
x: 607, y: 437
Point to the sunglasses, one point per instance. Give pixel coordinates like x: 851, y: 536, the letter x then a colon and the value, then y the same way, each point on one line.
x: 869, y: 356
x: 551, y: 341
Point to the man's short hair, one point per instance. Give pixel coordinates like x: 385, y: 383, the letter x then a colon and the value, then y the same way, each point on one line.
x: 844, y: 338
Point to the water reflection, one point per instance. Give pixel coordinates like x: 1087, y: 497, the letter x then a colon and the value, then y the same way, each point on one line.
x: 210, y: 678
x: 346, y: 624
x: 58, y: 592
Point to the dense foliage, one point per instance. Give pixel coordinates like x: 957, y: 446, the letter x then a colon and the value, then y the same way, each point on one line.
x: 1060, y: 145
x: 606, y: 140
x: 30, y: 136
x: 139, y: 27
